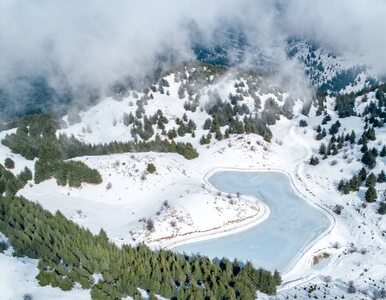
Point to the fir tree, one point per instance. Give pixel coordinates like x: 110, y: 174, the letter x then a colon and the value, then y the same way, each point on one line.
x: 207, y: 124
x: 322, y: 149
x: 352, y: 137
x: 151, y: 168
x: 371, y: 180
x: 314, y: 160
x: 369, y: 159
x: 383, y: 151
x: 9, y: 163
x: 371, y: 194
x: 381, y: 177
x: 362, y: 174
x: 382, y: 208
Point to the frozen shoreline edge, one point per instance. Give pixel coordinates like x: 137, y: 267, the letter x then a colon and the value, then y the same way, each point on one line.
x: 263, y: 214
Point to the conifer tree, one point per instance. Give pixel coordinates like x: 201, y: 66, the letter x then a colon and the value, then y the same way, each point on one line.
x: 383, y: 152
x: 371, y: 180
x: 322, y: 149
x: 362, y: 174
x: 314, y: 160
x: 382, y: 208
x: 9, y: 163
x: 381, y: 177
x: 371, y: 194
x: 352, y: 137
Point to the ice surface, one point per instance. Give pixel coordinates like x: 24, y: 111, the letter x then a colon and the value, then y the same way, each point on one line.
x: 291, y: 226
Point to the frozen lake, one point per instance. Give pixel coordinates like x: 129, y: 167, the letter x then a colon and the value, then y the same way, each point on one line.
x: 292, y: 225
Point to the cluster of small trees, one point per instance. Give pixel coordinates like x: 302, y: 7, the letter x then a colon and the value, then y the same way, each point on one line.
x: 314, y: 160
x: 69, y: 254
x: 144, y: 129
x: 224, y: 114
x: 334, y: 128
x: 362, y: 178
x: 9, y: 184
x: 337, y: 143
x: 344, y: 105
x: 375, y: 114
x: 185, y: 126
x: 73, y: 173
x: 303, y: 123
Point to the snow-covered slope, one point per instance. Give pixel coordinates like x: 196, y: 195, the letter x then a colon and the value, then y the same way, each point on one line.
x: 175, y: 203
x: 337, y: 72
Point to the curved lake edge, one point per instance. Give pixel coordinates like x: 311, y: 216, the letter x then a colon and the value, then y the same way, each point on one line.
x: 242, y: 225
x: 193, y: 239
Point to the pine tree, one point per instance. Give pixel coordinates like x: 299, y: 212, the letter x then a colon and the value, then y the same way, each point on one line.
x: 151, y: 168
x: 341, y: 184
x: 362, y: 174
x: 25, y: 175
x: 369, y: 159
x: 371, y: 194
x: 322, y: 149
x: 352, y: 137
x: 181, y: 130
x: 172, y: 134
x: 203, y: 140
x: 314, y: 160
x: 355, y: 183
x: 381, y: 177
x: 370, y: 134
x: 277, y: 277
x: 207, y: 124
x: 9, y: 163
x: 364, y: 148
x: 371, y: 180
x: 382, y: 208
x: 374, y: 152
x: 383, y: 151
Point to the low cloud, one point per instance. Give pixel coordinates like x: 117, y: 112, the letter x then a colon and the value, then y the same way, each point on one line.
x: 78, y: 44
x: 353, y: 27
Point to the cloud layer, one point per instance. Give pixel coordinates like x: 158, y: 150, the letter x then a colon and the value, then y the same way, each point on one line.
x: 352, y: 26
x: 95, y: 43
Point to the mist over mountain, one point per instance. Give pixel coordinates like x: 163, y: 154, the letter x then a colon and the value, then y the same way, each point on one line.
x: 54, y: 53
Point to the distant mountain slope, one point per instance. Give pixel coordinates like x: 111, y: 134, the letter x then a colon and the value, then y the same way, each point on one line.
x: 328, y: 70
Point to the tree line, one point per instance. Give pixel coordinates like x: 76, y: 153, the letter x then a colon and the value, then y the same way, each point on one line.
x: 36, y: 137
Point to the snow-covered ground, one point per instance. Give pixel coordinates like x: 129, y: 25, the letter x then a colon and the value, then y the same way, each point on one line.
x: 17, y: 280
x: 182, y: 206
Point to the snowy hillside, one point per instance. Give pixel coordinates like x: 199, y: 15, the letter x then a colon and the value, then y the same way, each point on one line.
x: 337, y: 72
x: 173, y: 203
